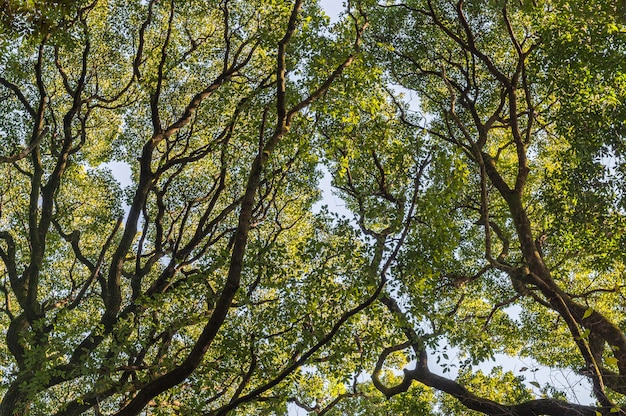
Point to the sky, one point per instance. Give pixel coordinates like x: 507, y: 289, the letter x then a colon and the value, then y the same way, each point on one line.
x: 332, y: 8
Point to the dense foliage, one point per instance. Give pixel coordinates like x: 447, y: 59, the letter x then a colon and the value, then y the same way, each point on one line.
x: 485, y: 219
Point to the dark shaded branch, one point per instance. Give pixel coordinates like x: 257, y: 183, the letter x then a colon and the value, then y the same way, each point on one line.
x: 20, y: 96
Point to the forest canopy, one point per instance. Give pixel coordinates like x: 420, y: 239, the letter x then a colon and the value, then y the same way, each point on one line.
x: 478, y: 149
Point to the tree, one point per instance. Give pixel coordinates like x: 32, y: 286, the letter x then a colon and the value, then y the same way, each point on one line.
x: 490, y: 220
x: 199, y: 297
x: 527, y: 101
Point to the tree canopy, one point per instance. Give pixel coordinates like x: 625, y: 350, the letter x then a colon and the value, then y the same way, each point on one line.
x: 484, y: 218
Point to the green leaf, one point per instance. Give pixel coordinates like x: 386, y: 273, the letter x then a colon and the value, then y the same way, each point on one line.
x: 587, y: 313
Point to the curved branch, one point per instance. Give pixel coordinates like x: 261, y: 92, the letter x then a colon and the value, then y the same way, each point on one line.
x: 27, y: 150
x: 20, y: 96
x: 421, y: 373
